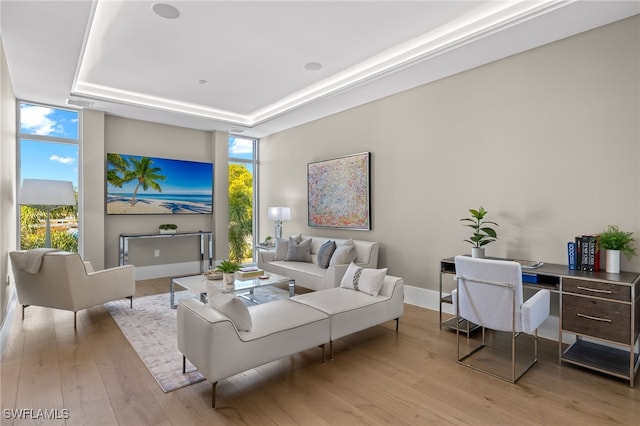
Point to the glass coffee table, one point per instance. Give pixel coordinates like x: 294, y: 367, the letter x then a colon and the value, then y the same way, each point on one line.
x: 243, y: 288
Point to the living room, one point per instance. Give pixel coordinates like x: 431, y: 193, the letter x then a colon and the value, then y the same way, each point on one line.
x: 547, y: 140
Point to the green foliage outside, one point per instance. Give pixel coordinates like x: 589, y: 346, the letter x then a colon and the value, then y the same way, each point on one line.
x: 240, y: 213
x: 32, y: 228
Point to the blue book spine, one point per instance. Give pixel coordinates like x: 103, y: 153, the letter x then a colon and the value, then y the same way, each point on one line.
x: 571, y: 251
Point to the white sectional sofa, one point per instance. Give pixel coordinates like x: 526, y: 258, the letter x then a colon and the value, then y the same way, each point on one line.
x: 212, y: 342
x: 310, y: 274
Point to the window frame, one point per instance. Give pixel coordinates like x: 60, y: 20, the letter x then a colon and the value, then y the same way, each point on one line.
x: 255, y: 163
x: 47, y: 139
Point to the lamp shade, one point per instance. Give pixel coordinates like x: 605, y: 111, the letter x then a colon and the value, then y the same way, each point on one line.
x: 279, y: 213
x: 43, y: 192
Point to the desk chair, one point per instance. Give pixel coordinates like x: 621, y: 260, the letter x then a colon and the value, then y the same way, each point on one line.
x: 61, y: 280
x: 489, y: 293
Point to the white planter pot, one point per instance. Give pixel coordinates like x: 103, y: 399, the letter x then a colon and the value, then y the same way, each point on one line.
x: 228, y: 280
x: 477, y: 251
x: 613, y: 261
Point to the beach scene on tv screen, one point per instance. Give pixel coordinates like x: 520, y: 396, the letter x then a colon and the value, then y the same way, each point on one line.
x: 149, y: 185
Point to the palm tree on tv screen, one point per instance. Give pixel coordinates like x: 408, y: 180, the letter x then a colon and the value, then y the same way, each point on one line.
x: 142, y: 170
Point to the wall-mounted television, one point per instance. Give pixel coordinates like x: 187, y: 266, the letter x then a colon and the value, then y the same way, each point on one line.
x: 149, y: 185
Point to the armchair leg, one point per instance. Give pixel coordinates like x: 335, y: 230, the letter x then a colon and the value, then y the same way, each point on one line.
x: 130, y: 301
x: 23, y: 308
x: 75, y: 319
x: 213, y: 395
x: 397, y: 324
x: 184, y: 364
x: 331, y: 350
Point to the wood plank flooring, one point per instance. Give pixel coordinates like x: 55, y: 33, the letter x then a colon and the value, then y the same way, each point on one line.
x: 378, y: 377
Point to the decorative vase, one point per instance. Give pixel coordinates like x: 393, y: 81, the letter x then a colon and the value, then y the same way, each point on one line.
x: 613, y: 261
x: 228, y: 280
x: 477, y: 251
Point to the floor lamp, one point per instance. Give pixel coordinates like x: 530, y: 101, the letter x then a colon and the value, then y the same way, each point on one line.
x: 46, y: 195
x: 279, y: 214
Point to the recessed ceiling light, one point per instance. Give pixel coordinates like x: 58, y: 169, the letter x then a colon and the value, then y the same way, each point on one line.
x: 203, y: 82
x: 312, y: 66
x: 165, y: 10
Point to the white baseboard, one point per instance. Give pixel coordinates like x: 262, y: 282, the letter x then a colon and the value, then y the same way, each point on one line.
x: 430, y: 299
x: 169, y: 270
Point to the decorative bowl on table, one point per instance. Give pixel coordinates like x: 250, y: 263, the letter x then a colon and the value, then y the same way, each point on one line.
x: 212, y: 274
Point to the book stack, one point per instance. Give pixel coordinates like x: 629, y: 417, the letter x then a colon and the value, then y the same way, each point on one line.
x: 584, y: 253
x: 249, y: 272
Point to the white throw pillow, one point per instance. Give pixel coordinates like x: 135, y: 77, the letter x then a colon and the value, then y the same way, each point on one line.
x: 231, y: 306
x: 345, y: 253
x: 366, y: 280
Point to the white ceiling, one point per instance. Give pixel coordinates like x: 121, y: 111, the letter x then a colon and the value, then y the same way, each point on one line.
x: 130, y: 62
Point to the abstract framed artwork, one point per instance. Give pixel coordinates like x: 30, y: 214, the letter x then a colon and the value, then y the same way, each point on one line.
x: 339, y: 193
x: 149, y: 185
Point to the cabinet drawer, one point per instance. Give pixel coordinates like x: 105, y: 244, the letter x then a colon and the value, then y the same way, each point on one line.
x: 597, y: 289
x: 598, y: 318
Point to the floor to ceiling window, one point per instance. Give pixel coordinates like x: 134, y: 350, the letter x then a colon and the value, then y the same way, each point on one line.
x: 243, y: 163
x: 48, y: 153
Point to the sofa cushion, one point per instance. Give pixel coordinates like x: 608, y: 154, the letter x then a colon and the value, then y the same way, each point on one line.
x: 325, y: 252
x: 299, y: 251
x: 232, y: 307
x: 345, y: 253
x: 363, y: 279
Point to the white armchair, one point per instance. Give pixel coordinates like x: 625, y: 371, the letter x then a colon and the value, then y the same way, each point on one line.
x: 489, y: 294
x: 61, y: 280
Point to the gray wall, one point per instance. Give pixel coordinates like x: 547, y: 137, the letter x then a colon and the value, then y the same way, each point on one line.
x: 547, y: 141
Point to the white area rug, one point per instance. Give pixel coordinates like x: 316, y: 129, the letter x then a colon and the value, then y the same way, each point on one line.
x: 151, y: 328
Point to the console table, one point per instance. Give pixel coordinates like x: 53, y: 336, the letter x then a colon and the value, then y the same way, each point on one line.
x: 602, y: 311
x: 206, y: 237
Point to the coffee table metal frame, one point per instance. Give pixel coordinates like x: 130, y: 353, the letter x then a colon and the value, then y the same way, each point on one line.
x: 243, y: 288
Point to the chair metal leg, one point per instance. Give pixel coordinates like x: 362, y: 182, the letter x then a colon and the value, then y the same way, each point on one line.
x: 213, y: 394
x: 184, y: 364
x: 331, y: 350
x: 323, y: 358
x: 130, y: 301
x: 75, y: 318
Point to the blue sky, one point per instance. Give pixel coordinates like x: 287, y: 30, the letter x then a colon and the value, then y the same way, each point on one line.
x: 48, y: 160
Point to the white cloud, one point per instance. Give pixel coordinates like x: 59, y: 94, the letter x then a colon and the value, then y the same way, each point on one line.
x: 61, y: 160
x: 242, y: 146
x: 35, y: 119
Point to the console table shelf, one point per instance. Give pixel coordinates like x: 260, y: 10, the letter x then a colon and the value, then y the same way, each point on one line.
x: 592, y: 305
x: 205, y: 237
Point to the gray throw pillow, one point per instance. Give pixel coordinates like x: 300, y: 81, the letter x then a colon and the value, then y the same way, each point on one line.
x: 324, y: 254
x: 299, y: 252
x: 282, y: 246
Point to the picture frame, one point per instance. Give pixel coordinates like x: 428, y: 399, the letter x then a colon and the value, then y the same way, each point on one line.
x: 338, y: 192
x: 170, y: 186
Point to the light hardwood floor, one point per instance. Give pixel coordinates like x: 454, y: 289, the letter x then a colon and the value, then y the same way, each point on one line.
x: 377, y: 377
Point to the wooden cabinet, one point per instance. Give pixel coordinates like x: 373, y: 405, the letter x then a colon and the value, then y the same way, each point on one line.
x: 603, y: 315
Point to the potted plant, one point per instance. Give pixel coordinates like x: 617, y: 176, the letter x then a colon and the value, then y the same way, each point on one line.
x: 615, y: 241
x: 168, y: 228
x: 482, y: 234
x: 228, y: 269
